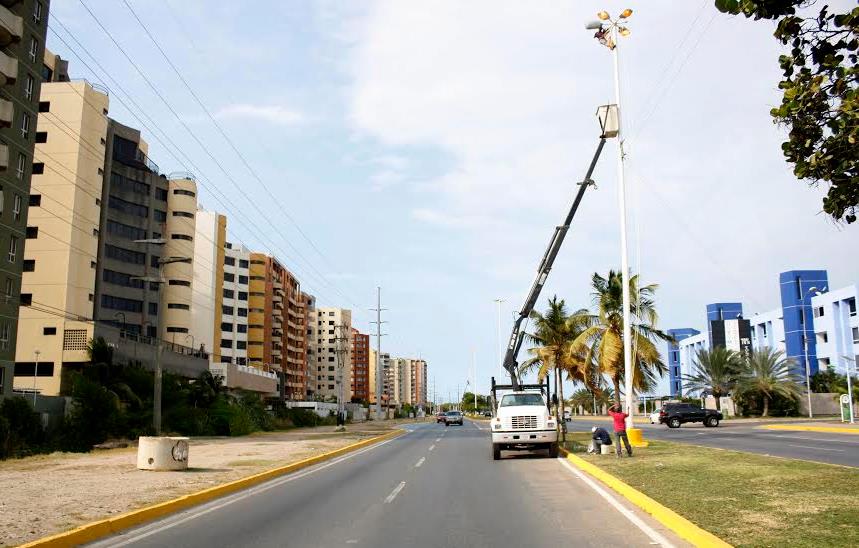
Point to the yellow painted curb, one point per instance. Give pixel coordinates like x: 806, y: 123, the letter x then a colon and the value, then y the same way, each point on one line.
x: 99, y: 529
x: 684, y: 528
x: 830, y: 429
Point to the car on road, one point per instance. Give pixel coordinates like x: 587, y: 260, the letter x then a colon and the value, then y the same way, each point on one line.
x: 487, y: 414
x: 654, y: 417
x: 675, y: 414
x: 439, y: 417
x: 453, y: 417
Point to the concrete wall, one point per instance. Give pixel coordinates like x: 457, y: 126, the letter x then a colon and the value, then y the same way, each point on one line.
x: 822, y: 404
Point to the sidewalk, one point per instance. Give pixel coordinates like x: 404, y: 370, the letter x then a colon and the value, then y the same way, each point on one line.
x: 46, y: 494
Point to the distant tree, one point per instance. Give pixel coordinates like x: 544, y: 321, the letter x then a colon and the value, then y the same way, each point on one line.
x: 820, y: 102
x: 716, y: 372
x: 768, y: 374
x: 829, y: 382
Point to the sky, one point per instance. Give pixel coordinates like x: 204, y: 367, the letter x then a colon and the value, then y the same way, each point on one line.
x: 431, y: 148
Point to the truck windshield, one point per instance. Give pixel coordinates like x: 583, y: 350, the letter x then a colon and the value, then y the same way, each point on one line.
x: 521, y: 399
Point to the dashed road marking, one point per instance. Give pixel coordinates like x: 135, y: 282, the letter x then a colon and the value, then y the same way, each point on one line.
x: 432, y: 447
x: 420, y: 462
x: 437, y: 440
x: 395, y: 492
x: 818, y: 448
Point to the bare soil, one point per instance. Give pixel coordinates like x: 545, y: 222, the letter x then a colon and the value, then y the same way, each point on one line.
x: 47, y: 494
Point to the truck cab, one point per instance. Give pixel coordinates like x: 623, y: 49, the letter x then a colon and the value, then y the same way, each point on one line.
x: 523, y: 422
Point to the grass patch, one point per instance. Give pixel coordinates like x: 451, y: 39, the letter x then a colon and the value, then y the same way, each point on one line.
x: 743, y: 498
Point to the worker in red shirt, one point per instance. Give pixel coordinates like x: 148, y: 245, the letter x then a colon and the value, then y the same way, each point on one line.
x: 619, y: 418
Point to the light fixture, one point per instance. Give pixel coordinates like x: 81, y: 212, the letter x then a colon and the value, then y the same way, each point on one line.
x: 593, y: 25
x: 624, y: 31
x: 603, y: 15
x: 625, y: 13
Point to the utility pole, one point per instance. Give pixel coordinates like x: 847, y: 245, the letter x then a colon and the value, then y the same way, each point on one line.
x: 501, y: 371
x: 341, y: 349
x: 379, y: 377
x: 474, y: 367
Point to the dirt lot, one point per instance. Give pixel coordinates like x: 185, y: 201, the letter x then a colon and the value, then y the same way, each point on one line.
x: 47, y: 494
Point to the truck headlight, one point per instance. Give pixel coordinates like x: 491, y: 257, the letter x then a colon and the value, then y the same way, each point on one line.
x: 550, y: 424
x: 496, y: 426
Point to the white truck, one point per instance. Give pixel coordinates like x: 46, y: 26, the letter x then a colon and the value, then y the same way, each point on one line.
x: 523, y: 421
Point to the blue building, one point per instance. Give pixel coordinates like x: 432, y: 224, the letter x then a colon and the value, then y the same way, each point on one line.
x: 675, y: 378
x: 797, y: 287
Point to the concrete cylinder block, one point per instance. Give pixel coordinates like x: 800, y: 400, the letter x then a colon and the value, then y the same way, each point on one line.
x: 162, y: 453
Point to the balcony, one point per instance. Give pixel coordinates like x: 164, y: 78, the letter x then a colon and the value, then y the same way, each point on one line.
x: 11, y: 27
x: 4, y: 157
x: 7, y: 113
x: 8, y: 68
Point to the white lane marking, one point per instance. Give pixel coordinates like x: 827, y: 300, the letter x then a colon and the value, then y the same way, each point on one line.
x: 158, y: 527
x: 395, y: 492
x: 849, y: 442
x: 432, y: 447
x: 437, y: 440
x: 420, y: 462
x: 646, y: 529
x: 813, y: 447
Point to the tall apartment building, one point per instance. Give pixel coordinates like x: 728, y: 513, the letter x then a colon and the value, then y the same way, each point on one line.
x: 23, y: 27
x: 675, y: 374
x: 418, y: 382
x: 330, y: 341
x: 295, y: 340
x: 177, y: 269
x: 58, y: 284
x: 836, y: 329
x: 309, y: 308
x: 401, y: 385
x: 210, y: 234
x: 360, y: 366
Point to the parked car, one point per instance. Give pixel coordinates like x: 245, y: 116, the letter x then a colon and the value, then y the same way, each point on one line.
x: 675, y: 414
x: 654, y: 417
x: 453, y: 417
x: 487, y: 414
x: 439, y: 417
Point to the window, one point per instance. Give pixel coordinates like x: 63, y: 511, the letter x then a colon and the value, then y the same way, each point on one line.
x: 183, y: 214
x: 132, y: 185
x: 29, y: 82
x: 331, y: 313
x: 243, y: 295
x: 230, y: 261
x: 124, y: 255
x: 177, y: 329
x: 37, y: 12
x: 42, y: 137
x: 241, y: 345
x: 241, y: 328
x: 120, y: 278
x: 119, y: 303
x: 125, y: 231
x: 181, y: 237
x: 49, y: 331
x: 243, y: 280
x: 26, y: 299
x: 9, y: 288
x: 330, y: 358
x: 243, y: 263
x: 159, y: 215
x: 22, y: 164
x: 153, y: 309
x: 35, y: 201
x: 178, y: 306
x: 226, y: 343
x: 330, y: 323
x: 127, y: 207
x: 229, y: 310
x: 13, y: 248
x: 855, y: 335
x: 229, y: 277
x: 818, y: 312
x: 44, y: 106
x: 183, y: 283
x: 25, y: 125
x: 851, y: 305
x: 243, y: 312
x: 154, y: 261
x: 181, y: 192
x: 34, y: 49
x: 229, y: 294
x: 161, y: 194
x: 32, y: 232
x: 227, y: 326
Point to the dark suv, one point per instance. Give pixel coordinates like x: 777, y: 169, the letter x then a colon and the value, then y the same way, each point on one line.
x: 675, y: 414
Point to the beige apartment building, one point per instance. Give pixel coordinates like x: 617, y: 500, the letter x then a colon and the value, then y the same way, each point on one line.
x: 177, y: 270
x: 58, y: 285
x: 330, y: 345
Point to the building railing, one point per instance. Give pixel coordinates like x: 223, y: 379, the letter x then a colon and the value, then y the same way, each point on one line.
x: 166, y: 345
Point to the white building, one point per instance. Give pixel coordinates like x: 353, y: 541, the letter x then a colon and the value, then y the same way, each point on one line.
x: 329, y: 351
x: 836, y: 329
x: 768, y: 330
x: 687, y: 348
x: 234, y: 305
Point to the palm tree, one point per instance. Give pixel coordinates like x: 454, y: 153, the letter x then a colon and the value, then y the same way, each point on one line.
x: 769, y: 373
x: 601, y: 342
x: 716, y: 372
x: 587, y: 398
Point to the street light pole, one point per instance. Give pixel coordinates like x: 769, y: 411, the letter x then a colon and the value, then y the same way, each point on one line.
x: 850, y: 387
x: 501, y: 371
x: 35, y: 375
x: 805, y: 346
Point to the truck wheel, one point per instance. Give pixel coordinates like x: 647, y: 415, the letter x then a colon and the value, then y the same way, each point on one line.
x: 553, y: 450
x: 674, y: 423
x: 446, y: 423
x: 496, y: 451
x: 712, y: 422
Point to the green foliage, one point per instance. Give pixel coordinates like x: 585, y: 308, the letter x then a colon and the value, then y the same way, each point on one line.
x: 829, y: 382
x: 767, y: 374
x: 301, y: 418
x: 820, y: 96
x: 20, y: 427
x: 467, y: 404
x: 716, y: 372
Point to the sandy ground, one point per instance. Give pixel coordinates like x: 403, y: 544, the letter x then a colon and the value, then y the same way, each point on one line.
x: 46, y: 494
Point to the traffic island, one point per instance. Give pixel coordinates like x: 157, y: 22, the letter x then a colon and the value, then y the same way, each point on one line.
x: 743, y: 498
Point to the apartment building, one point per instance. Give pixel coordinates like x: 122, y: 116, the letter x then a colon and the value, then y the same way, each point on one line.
x: 294, y: 358
x: 384, y: 362
x: 401, y: 382
x: 309, y: 356
x: 23, y: 27
x: 418, y: 382
x: 210, y: 234
x: 330, y: 341
x: 836, y: 328
x: 177, y: 262
x: 360, y: 366
x: 58, y: 283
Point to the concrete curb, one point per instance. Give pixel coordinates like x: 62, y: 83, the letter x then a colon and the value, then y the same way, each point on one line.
x: 798, y: 428
x: 99, y: 529
x: 684, y: 528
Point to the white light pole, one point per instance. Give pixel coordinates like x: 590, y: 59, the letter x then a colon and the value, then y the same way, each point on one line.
x: 608, y: 33
x: 35, y: 375
x: 850, y: 386
x: 498, y: 340
x: 805, y: 346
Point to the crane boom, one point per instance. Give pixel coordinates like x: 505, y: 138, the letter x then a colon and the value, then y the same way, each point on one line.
x: 517, y: 336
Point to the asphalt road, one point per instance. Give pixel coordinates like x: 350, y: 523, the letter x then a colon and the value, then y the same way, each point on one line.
x: 433, y: 487
x: 814, y: 446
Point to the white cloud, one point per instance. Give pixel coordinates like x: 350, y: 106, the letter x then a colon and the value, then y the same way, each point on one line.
x: 274, y: 114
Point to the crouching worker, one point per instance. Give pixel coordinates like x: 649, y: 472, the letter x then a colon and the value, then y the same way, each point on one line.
x: 600, y: 437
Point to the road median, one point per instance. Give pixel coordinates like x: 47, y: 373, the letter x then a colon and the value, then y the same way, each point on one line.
x: 105, y: 527
x: 812, y: 428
